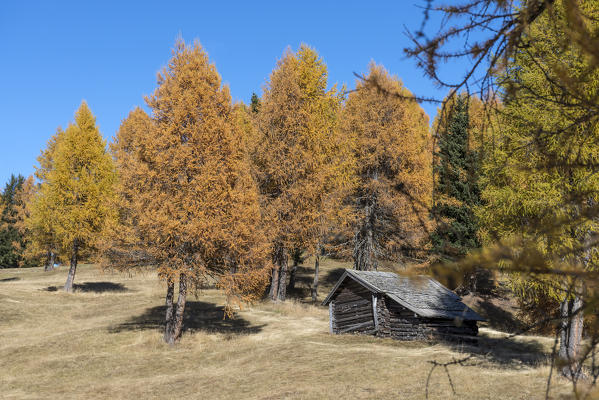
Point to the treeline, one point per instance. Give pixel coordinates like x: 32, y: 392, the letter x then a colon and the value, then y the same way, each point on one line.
x: 204, y: 189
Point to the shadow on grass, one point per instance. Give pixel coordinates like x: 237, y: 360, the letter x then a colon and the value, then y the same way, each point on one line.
x: 198, y: 316
x: 498, y: 318
x: 505, y: 352
x: 10, y: 279
x: 93, y: 287
x: 303, y: 282
x: 304, y: 279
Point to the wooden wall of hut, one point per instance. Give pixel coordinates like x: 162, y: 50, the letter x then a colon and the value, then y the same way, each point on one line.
x: 352, y: 310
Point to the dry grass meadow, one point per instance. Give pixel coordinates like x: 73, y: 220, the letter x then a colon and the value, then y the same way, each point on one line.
x: 104, y: 341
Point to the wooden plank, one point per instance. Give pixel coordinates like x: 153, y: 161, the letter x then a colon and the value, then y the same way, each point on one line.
x: 331, y: 316
x: 354, y: 314
x: 358, y: 302
x: 353, y: 309
x: 374, y: 313
x: 357, y: 326
x: 356, y: 308
x: 353, y: 320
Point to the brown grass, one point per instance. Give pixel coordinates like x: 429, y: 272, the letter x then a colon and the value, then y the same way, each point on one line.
x: 104, y: 341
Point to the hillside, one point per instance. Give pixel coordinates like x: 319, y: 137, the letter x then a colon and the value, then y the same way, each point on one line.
x: 104, y: 341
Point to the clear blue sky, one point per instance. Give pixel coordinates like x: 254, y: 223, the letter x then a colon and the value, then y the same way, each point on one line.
x: 57, y: 53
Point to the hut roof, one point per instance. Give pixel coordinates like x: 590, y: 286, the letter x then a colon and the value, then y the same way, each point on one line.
x: 419, y: 294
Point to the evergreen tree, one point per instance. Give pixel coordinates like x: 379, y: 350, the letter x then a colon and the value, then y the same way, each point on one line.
x: 255, y: 103
x: 456, y: 190
x: 10, y: 238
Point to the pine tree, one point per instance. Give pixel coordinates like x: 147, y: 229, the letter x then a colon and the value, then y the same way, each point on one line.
x: 457, y: 190
x: 77, y: 185
x: 187, y: 200
x: 10, y: 238
x: 255, y: 103
x: 393, y: 152
x: 303, y: 163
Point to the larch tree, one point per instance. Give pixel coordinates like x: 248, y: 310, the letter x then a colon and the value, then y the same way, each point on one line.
x: 304, y: 164
x: 393, y: 150
x: 186, y: 197
x: 76, y: 191
x: 541, y: 184
x: 39, y: 213
x: 540, y: 219
x: 24, y: 199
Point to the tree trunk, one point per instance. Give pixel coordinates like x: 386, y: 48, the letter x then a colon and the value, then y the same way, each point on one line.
x: 274, y: 284
x: 570, y: 336
x: 364, y: 259
x: 68, y: 286
x: 283, y: 262
x: 314, y: 289
x: 292, y: 275
x: 50, y: 260
x: 168, y: 327
x: 178, y: 323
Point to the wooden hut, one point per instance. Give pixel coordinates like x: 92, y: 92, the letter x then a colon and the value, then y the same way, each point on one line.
x: 406, y: 308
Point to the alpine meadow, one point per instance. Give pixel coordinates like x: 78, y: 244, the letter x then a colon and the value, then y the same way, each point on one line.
x: 415, y: 217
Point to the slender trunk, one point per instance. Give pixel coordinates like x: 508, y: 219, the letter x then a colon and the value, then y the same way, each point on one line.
x: 274, y: 284
x: 68, y: 286
x: 178, y: 323
x: 292, y: 274
x: 570, y: 336
x: 50, y: 259
x: 314, y: 289
x: 364, y: 259
x: 283, y: 261
x: 168, y: 327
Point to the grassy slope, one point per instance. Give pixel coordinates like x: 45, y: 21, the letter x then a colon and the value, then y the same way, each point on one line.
x: 104, y: 341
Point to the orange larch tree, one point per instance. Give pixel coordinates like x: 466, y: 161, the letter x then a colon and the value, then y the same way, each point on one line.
x: 186, y: 195
x: 393, y: 149
x: 303, y: 163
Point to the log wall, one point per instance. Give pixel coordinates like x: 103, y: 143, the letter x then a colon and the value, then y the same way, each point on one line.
x: 354, y: 308
x: 400, y: 323
x: 351, y: 310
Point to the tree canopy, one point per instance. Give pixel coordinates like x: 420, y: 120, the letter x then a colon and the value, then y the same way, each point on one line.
x: 303, y: 162
x: 186, y: 193
x: 393, y: 151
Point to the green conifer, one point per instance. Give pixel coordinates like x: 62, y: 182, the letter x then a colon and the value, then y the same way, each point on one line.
x: 9, y: 234
x: 456, y: 191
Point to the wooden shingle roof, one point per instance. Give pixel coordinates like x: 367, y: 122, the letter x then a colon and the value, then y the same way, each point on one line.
x: 419, y: 294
